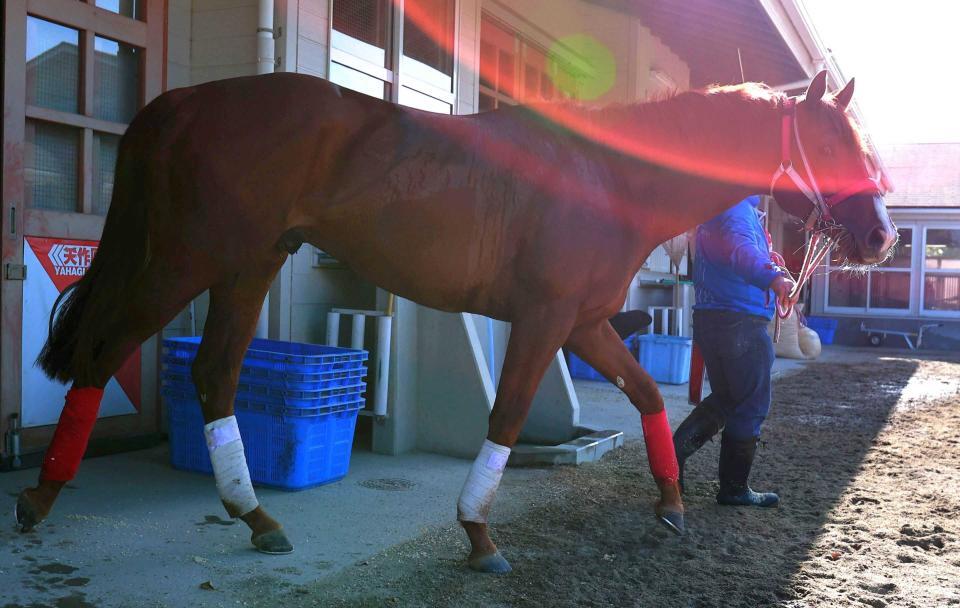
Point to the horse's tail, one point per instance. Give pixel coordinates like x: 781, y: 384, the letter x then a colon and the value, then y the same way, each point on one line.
x: 79, y: 327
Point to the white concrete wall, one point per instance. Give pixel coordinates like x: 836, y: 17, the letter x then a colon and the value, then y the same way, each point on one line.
x: 313, y: 37
x: 316, y: 290
x: 178, y: 43
x: 224, y: 39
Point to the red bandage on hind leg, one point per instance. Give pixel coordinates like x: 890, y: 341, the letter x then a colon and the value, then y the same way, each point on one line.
x: 660, y: 452
x: 70, y: 439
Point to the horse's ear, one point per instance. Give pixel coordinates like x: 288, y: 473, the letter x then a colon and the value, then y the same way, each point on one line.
x: 844, y: 96
x: 817, y: 88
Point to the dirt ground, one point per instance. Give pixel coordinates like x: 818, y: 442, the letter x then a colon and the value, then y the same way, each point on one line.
x: 867, y: 462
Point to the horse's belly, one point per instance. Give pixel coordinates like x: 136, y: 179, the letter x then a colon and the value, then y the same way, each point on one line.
x: 438, y: 264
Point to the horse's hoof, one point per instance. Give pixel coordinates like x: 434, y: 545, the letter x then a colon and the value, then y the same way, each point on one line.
x: 273, y: 542
x: 493, y: 563
x: 26, y: 512
x: 672, y: 520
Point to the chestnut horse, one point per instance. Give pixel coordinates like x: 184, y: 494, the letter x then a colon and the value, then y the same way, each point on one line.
x: 537, y: 216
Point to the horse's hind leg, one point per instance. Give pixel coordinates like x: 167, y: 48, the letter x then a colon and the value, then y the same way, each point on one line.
x: 153, y: 302
x: 234, y: 306
x: 600, y: 347
x: 534, y: 341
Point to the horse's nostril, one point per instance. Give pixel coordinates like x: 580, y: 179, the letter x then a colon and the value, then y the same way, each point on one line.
x: 879, y: 239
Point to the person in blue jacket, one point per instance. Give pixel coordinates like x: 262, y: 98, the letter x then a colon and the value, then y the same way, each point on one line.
x: 733, y: 278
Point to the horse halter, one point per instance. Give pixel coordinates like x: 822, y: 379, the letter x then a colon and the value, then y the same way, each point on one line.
x: 819, y: 244
x: 790, y: 133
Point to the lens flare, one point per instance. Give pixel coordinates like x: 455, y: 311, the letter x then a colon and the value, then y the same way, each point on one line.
x: 599, y: 73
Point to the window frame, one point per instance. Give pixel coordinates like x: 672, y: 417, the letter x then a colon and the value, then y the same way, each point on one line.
x: 912, y: 306
x: 398, y: 71
x: 524, y: 45
x: 91, y: 22
x: 944, y: 314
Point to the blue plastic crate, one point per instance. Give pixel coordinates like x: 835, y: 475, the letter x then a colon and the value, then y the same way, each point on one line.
x: 178, y: 370
x: 579, y: 369
x: 287, y: 448
x: 666, y: 358
x: 276, y: 355
x: 271, y: 395
x: 825, y: 328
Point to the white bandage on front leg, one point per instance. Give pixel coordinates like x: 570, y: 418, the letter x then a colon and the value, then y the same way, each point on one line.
x: 482, y: 483
x: 230, y: 466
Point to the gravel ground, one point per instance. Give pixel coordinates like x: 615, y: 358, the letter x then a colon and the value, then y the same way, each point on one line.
x: 866, y: 458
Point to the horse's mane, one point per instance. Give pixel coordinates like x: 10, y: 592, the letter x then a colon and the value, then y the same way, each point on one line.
x: 666, y: 104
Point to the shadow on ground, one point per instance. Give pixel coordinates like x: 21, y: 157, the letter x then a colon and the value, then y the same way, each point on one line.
x: 591, y: 539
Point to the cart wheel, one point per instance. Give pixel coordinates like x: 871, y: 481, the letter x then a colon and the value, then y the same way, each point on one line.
x: 875, y: 339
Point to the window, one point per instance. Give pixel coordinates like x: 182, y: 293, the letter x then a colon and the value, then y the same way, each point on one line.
x: 426, y: 62
x: 428, y: 33
x: 941, y: 270
x: 116, y: 80
x: 75, y: 114
x: 359, y: 45
x: 51, y: 166
x: 365, y: 57
x: 363, y: 20
x: 922, y: 278
x: 514, y: 69
x: 127, y: 8
x: 883, y: 289
x: 53, y: 66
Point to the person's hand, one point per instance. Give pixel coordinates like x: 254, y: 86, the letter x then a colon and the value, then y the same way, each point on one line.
x: 782, y: 286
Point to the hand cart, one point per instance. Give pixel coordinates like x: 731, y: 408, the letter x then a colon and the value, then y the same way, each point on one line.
x: 876, y: 336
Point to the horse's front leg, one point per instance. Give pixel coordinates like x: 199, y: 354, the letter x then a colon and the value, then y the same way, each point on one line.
x: 600, y: 346
x: 534, y: 341
x: 234, y: 307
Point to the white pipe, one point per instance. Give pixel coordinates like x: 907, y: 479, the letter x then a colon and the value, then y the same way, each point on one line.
x: 382, y: 362
x: 356, y: 335
x: 333, y: 329
x: 265, y: 46
x: 265, y: 55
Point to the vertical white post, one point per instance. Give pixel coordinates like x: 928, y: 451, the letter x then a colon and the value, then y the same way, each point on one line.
x: 333, y: 329
x: 265, y: 44
x: 265, y: 55
x: 356, y: 337
x: 382, y: 363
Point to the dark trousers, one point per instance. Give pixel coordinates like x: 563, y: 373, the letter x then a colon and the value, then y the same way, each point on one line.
x: 739, y: 356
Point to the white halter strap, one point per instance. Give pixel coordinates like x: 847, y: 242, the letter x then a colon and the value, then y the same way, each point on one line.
x: 789, y: 134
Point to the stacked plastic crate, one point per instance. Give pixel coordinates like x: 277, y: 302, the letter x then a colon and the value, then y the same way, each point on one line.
x: 296, y: 406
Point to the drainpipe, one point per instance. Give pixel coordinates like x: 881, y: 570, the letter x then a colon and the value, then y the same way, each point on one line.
x: 265, y: 59
x: 265, y: 51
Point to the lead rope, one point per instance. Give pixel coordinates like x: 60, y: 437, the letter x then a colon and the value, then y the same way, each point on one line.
x: 817, y: 249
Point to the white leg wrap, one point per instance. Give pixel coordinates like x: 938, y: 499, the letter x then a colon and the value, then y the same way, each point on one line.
x: 230, y: 466
x: 482, y: 483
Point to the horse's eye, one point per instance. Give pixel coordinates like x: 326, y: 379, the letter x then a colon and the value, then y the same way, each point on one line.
x: 827, y: 150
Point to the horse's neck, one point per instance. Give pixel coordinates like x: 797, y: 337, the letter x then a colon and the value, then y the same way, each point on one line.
x: 694, y: 157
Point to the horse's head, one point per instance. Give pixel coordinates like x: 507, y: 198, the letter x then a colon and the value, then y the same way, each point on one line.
x: 827, y: 155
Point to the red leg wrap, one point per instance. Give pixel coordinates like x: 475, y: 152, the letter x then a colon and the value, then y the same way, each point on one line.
x: 70, y: 439
x: 660, y: 452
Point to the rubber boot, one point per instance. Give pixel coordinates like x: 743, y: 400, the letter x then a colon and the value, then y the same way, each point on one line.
x: 736, y: 459
x: 698, y: 428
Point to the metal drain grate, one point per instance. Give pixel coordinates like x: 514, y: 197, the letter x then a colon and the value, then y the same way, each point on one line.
x: 388, y: 484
